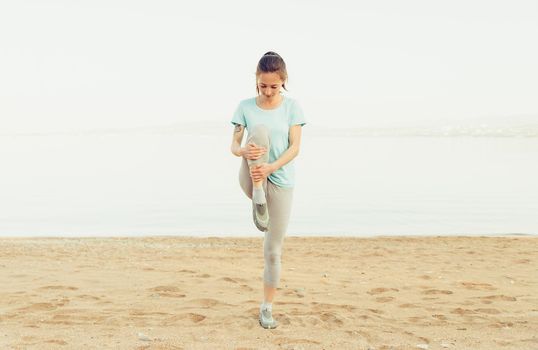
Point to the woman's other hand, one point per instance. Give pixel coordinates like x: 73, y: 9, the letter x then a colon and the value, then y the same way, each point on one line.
x: 261, y: 171
x: 252, y: 151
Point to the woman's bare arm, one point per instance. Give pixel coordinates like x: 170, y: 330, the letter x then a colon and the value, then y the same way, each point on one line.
x: 293, y: 148
x: 236, y: 149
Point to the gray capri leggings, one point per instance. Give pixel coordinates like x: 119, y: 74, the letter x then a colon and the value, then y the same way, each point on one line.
x: 278, y: 202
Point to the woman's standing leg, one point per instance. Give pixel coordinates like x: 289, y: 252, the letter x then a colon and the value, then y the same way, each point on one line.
x: 279, y: 200
x: 279, y: 203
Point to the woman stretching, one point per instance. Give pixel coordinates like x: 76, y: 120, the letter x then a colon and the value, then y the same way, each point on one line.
x: 273, y: 122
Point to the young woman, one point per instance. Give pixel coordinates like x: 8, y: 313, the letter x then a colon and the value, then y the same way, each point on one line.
x: 273, y: 122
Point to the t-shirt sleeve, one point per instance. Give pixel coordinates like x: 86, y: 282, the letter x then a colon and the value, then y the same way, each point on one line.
x: 297, y: 115
x: 239, y: 116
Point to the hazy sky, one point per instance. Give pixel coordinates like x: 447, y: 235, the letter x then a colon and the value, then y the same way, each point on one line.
x: 69, y: 64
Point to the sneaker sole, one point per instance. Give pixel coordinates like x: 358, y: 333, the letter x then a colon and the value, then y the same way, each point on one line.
x: 268, y: 326
x: 259, y: 226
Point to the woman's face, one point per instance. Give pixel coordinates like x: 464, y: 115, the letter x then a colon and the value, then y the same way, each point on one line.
x: 269, y: 85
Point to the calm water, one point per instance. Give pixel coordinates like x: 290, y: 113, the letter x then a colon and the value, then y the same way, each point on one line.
x: 183, y: 181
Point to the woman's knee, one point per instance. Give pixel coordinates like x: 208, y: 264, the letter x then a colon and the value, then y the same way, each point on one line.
x: 272, y: 257
x: 259, y: 133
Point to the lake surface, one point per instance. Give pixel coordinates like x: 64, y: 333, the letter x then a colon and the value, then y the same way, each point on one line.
x: 182, y: 180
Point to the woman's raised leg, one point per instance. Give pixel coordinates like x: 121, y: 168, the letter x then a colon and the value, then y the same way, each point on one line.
x: 259, y: 135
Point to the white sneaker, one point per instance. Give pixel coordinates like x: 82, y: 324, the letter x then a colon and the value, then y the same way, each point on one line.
x: 260, y: 215
x: 266, y: 318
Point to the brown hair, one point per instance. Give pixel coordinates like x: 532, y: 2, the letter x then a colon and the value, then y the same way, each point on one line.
x: 271, y: 62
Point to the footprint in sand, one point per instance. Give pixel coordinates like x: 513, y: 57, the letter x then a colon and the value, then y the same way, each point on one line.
x: 75, y: 317
x: 316, y: 306
x: 234, y: 280
x: 167, y: 291
x: 39, y: 307
x: 284, y: 319
x: 284, y: 341
x: 254, y: 311
x: 488, y: 311
x: 436, y: 291
x: 312, y: 321
x: 491, y: 298
x: 228, y: 279
x: 384, y: 299
x: 440, y: 317
x: 299, y: 292
x: 62, y: 319
x: 56, y: 341
x: 86, y: 296
x: 375, y: 311
x: 331, y: 318
x: 291, y: 303
x: 522, y: 261
x: 407, y: 305
x: 422, y: 339
x: 45, y: 306
x: 477, y: 286
x: 190, y: 316
x: 462, y: 312
x: 354, y: 333
x: 247, y: 287
x: 63, y: 301
x: 501, y: 325
x: 381, y: 290
x: 59, y: 287
x: 147, y: 313
x: 415, y: 319
x: 207, y: 302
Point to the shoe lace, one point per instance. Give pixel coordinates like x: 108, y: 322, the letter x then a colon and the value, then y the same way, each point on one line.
x: 267, y: 313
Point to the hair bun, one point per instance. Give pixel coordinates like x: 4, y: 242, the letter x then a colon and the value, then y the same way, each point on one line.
x: 271, y: 53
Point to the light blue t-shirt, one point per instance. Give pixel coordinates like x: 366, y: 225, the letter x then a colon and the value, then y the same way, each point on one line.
x: 279, y: 121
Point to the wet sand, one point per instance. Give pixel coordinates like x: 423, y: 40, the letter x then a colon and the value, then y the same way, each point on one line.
x: 204, y: 293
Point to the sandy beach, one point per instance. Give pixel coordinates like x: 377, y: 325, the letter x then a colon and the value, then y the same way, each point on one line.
x: 204, y: 293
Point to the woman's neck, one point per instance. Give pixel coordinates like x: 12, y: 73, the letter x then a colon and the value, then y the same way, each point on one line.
x: 272, y: 103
